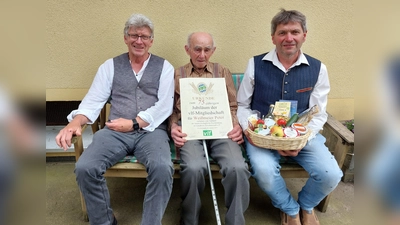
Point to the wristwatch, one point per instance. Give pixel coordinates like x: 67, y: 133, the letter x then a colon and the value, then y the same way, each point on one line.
x: 135, y: 124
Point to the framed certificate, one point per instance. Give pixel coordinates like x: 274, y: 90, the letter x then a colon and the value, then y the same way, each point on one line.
x: 205, y: 111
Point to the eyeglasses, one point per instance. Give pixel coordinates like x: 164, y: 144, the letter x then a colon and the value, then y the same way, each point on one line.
x: 135, y: 37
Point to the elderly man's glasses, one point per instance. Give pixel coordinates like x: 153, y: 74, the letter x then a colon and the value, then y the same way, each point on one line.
x: 135, y: 37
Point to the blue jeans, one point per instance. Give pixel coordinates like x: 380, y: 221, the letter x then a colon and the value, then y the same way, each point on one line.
x: 107, y: 148
x: 315, y: 158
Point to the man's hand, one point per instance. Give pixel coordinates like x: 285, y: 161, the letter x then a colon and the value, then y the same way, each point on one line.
x: 63, y: 139
x: 236, y: 134
x: 292, y: 153
x: 120, y: 125
x: 177, y: 135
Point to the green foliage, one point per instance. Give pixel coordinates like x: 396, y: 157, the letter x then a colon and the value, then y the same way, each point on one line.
x: 350, y: 125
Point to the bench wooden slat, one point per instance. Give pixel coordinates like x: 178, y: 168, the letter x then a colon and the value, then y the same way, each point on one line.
x: 137, y: 170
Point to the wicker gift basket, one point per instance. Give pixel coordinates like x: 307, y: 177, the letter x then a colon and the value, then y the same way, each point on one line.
x: 278, y: 143
x: 285, y: 143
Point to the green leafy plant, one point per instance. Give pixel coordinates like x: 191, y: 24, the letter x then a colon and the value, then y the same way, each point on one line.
x: 349, y: 124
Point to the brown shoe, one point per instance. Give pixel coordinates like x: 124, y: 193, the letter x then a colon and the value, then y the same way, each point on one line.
x: 309, y: 218
x: 288, y: 220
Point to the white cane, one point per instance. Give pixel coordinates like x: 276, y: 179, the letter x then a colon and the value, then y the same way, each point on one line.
x: 214, y: 196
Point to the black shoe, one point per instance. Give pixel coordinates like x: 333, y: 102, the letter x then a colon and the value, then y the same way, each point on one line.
x: 115, y: 221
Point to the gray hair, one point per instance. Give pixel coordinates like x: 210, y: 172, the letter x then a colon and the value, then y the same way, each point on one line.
x: 286, y: 16
x: 138, y: 21
x: 190, y: 37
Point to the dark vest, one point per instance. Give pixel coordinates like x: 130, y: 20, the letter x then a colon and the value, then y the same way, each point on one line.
x: 128, y: 96
x: 271, y: 84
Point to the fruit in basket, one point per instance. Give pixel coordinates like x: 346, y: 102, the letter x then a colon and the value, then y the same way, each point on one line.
x: 281, y: 122
x: 252, y: 122
x: 277, y: 131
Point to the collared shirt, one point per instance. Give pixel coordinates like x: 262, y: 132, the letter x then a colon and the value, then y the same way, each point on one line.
x: 207, y: 73
x: 319, y: 95
x: 100, y: 92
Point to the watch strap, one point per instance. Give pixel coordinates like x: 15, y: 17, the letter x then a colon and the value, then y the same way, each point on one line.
x: 135, y: 124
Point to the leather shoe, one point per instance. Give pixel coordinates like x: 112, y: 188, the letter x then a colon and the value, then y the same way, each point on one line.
x: 115, y: 221
x: 309, y: 218
x: 288, y: 220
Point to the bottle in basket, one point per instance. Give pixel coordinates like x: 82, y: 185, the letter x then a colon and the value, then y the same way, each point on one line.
x: 269, y: 118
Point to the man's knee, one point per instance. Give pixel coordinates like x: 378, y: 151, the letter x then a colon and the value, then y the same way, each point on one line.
x: 193, y: 166
x: 161, y: 170
x: 333, y: 176
x: 84, y: 170
x: 236, y: 169
x: 264, y: 170
x: 329, y: 176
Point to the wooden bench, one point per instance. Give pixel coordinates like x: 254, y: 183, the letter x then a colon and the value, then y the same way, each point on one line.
x: 337, y: 141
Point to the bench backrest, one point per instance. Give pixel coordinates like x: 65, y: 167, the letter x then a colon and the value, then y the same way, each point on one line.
x: 237, y: 79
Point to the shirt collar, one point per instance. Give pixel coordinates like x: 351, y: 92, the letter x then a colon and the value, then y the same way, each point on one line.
x: 207, y: 69
x: 273, y: 57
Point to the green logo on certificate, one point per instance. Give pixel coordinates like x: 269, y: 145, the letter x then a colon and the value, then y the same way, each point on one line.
x: 207, y: 132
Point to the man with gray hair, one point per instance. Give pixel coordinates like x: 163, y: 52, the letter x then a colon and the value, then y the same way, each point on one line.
x: 140, y: 88
x: 286, y: 73
x: 226, y: 152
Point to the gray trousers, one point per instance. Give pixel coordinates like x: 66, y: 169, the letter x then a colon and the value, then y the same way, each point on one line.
x: 235, y: 179
x: 107, y: 148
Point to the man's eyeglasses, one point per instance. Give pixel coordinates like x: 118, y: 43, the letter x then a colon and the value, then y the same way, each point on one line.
x: 135, y: 37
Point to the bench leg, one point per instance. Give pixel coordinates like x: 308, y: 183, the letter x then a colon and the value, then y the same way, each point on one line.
x: 84, y: 210
x: 323, y: 205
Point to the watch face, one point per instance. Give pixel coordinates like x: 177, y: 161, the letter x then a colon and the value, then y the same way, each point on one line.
x: 135, y: 124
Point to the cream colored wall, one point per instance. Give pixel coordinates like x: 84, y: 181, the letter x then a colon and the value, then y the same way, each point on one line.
x: 80, y: 35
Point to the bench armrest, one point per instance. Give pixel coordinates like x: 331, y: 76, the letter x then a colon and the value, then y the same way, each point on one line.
x: 339, y: 139
x: 78, y: 143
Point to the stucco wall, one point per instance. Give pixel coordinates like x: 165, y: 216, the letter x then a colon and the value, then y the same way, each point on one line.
x: 80, y: 35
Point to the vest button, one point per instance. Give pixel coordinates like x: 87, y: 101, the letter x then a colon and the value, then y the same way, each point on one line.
x: 286, y: 82
x: 285, y: 92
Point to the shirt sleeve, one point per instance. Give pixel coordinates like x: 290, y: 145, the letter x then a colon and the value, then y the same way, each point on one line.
x: 98, y: 94
x: 176, y: 114
x: 162, y: 109
x: 245, y: 94
x: 319, y: 97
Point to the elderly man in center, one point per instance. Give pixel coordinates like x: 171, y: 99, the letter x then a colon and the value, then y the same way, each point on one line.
x: 226, y: 152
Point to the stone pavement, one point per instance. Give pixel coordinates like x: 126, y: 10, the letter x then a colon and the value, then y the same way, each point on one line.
x: 63, y: 205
